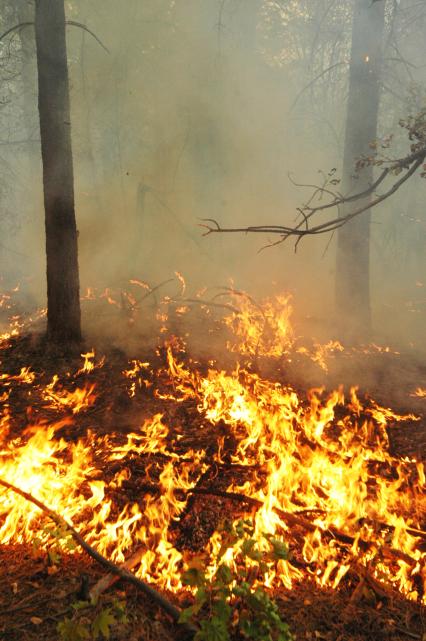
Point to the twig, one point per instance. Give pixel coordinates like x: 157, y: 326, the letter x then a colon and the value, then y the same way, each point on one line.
x: 365, y: 577
x: 73, y: 23
x: 317, y: 188
x: 313, y: 81
x: 110, y: 579
x: 200, y: 301
x: 357, y: 593
x: 16, y: 27
x: 153, y: 290
x: 294, y: 519
x: 411, y: 162
x: 407, y: 633
x: 230, y: 291
x: 23, y: 604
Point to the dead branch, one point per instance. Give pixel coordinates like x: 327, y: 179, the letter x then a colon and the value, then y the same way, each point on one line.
x: 366, y: 577
x: 294, y: 519
x: 108, y: 580
x: 204, y: 303
x: 230, y: 291
x: 80, y: 25
x: 410, y: 163
x: 314, y: 80
x: 407, y: 633
x: 16, y: 27
x: 118, y: 571
x: 71, y: 23
x: 153, y: 290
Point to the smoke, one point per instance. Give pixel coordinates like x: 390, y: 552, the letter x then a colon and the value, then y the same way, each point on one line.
x: 202, y: 109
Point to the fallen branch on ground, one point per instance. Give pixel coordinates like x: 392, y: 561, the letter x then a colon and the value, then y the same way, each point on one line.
x: 108, y: 580
x: 294, y: 519
x: 120, y: 572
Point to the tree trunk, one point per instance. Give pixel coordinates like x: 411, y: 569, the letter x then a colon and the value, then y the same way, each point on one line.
x: 353, y: 244
x: 24, y: 13
x: 63, y: 299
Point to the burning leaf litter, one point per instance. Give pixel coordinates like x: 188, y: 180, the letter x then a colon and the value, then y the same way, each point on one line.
x: 315, y: 469
x: 420, y: 392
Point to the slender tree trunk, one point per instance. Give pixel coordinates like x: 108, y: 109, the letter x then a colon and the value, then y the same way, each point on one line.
x: 63, y: 301
x: 24, y: 13
x: 353, y: 246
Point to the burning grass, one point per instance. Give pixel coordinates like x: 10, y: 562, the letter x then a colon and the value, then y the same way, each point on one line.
x: 154, y: 452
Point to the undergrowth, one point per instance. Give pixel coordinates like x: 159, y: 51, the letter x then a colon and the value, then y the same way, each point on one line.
x: 233, y: 603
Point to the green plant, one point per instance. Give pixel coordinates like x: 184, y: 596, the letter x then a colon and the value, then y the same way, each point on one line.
x: 90, y: 622
x: 59, y: 539
x: 233, y: 602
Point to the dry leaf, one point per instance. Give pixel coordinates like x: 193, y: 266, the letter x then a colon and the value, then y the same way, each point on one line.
x: 52, y: 569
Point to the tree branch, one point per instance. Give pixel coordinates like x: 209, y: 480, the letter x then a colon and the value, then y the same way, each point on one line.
x: 71, y: 23
x: 16, y: 27
x: 314, y: 80
x: 122, y: 573
x: 410, y: 163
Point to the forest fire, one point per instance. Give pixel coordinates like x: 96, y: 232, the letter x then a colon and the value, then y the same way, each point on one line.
x: 312, y: 469
x: 239, y: 456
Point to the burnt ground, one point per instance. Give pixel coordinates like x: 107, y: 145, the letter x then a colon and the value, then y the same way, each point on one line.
x: 36, y: 594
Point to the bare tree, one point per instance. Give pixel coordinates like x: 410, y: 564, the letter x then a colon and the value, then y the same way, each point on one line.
x: 63, y: 320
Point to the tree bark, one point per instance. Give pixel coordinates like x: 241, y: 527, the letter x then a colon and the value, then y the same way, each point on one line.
x: 353, y: 243
x: 63, y: 298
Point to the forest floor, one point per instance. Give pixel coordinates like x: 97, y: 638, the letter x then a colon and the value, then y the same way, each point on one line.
x: 37, y: 593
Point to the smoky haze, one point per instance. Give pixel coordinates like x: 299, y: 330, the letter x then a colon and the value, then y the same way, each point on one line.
x: 211, y: 109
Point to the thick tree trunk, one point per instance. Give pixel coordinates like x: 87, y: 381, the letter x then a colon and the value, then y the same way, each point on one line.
x: 63, y: 301
x: 353, y: 246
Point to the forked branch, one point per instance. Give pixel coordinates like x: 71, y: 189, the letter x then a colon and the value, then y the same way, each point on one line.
x: 364, y: 200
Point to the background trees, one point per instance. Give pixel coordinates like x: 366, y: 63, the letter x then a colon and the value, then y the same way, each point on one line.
x: 201, y: 110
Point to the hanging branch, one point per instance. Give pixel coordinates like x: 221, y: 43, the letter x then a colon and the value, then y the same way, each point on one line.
x: 16, y: 27
x: 410, y: 164
x: 314, y: 80
x: 82, y: 26
x: 121, y: 572
x: 71, y: 23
